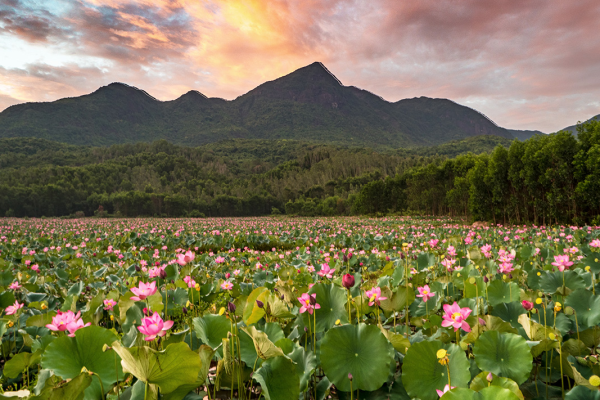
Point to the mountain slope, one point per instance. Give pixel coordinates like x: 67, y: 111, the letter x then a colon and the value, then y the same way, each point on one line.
x: 573, y: 128
x: 310, y: 104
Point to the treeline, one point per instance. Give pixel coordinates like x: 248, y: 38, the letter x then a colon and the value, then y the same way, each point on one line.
x: 546, y: 179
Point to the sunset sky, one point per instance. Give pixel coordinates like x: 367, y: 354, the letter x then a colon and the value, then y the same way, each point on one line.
x: 526, y: 64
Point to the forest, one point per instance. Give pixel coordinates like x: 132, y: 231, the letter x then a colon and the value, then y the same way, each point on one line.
x: 546, y: 179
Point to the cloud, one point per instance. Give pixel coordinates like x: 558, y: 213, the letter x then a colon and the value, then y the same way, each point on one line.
x: 529, y: 64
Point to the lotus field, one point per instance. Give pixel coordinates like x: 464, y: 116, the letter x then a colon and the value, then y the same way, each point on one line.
x: 285, y: 309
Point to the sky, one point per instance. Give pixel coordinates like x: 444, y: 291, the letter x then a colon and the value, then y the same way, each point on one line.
x: 526, y: 64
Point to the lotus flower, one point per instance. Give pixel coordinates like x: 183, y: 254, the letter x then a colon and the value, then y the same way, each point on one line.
x: 10, y: 310
x: 374, y: 296
x: 425, y: 293
x: 309, y: 303
x: 144, y: 290
x: 446, y: 388
x: 595, y: 243
x: 456, y: 316
x: 154, y: 326
x: 505, y: 268
x: 527, y: 305
x: 326, y: 271
x: 109, y: 304
x: 14, y: 286
x: 190, y: 282
x: 76, y: 324
x: 348, y: 281
x: 183, y: 259
x: 562, y: 262
x: 227, y: 285
x: 155, y: 272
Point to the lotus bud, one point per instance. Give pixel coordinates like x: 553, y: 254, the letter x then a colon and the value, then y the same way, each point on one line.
x: 146, y: 311
x: 185, y: 310
x: 137, y: 268
x: 312, y: 300
x: 345, y: 258
x: 260, y: 304
x: 350, y: 377
x: 348, y: 281
x: 227, y: 275
x: 305, y: 329
x: 486, y: 279
x: 231, y: 307
x: 162, y: 274
x: 489, y: 377
x: 527, y: 305
x: 105, y: 348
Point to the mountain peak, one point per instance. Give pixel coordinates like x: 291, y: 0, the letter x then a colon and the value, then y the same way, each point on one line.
x: 315, y: 70
x: 123, y: 88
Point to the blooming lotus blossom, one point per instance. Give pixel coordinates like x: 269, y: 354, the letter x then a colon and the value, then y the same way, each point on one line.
x: 326, y: 271
x: 220, y: 260
x: 505, y: 268
x: 595, y: 243
x: 562, y: 262
x: 227, y: 285
x: 75, y: 325
x: 155, y: 272
x: 451, y: 251
x: 14, y: 286
x: 109, y: 304
x: 190, y: 282
x: 67, y: 321
x: 446, y: 388
x: 144, y: 290
x: 455, y: 316
x: 154, y: 326
x: 183, y: 259
x: 448, y: 263
x: 374, y: 296
x: 425, y: 293
x: 309, y: 303
x: 10, y: 310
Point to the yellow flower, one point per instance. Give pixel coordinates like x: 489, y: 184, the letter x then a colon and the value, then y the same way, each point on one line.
x: 557, y: 306
x: 594, y: 380
x: 222, y: 311
x: 441, y: 353
x: 44, y: 306
x: 587, y: 269
x: 10, y: 324
x: 112, y: 317
x: 539, y: 274
x: 538, y: 301
x: 337, y: 322
x: 552, y: 336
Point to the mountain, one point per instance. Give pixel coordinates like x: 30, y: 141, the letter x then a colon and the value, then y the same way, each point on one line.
x: 573, y: 128
x: 524, y: 135
x: 310, y: 104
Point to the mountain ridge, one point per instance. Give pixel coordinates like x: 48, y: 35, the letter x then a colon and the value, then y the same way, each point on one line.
x: 310, y: 104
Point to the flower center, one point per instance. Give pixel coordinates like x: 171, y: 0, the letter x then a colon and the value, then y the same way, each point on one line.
x: 456, y: 315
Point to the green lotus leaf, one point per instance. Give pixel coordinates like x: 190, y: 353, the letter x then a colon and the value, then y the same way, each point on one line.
x: 423, y: 374
x: 252, y: 312
x: 20, y: 362
x: 399, y: 299
x: 212, y: 329
x: 177, y: 365
x: 502, y: 292
x: 400, y: 342
x: 66, y: 357
x: 41, y: 320
x: 575, y: 348
x: 582, y: 393
x: 509, y: 312
x: 248, y: 352
x: 536, y: 331
x: 72, y: 390
x: 480, y: 382
x: 504, y: 354
x: 489, y: 393
x: 361, y: 350
x: 278, y: 379
x: 206, y: 355
x: 306, y: 362
x: 586, y: 306
x: 551, y: 282
x: 332, y: 300
x: 265, y: 349
x: 545, y: 316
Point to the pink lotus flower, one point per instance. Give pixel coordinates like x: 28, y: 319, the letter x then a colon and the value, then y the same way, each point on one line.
x: 562, y: 262
x: 527, y: 305
x: 456, y: 316
x: 505, y: 268
x: 14, y: 286
x: 595, y: 243
x: 155, y: 272
x: 190, y: 282
x: 109, y: 304
x: 61, y: 320
x: 220, y: 260
x: 226, y: 285
x: 183, y: 259
x: 309, y: 303
x: 425, y: 293
x: 154, y: 326
x: 10, y: 310
x: 448, y: 263
x: 326, y: 271
x: 144, y: 290
x: 446, y: 388
x: 374, y: 296
x: 75, y: 325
